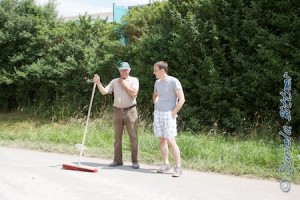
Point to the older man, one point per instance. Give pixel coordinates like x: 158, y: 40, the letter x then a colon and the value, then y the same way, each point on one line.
x: 125, y: 90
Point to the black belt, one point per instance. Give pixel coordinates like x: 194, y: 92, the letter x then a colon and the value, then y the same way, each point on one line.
x: 125, y: 109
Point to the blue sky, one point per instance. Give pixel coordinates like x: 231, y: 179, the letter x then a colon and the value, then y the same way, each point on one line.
x: 76, y: 7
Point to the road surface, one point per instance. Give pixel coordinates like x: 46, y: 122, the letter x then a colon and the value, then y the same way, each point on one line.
x: 34, y: 175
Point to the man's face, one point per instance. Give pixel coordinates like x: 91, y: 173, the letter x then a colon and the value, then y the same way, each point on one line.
x: 157, y: 72
x: 124, y: 73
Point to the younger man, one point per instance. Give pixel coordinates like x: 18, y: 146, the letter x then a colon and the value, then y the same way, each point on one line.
x: 168, y: 99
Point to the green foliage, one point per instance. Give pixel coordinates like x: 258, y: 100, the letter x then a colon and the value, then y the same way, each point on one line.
x: 230, y: 57
x: 75, y: 50
x: 44, y: 59
x: 20, y: 46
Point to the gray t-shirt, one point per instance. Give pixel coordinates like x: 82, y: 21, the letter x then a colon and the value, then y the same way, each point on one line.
x: 166, y: 90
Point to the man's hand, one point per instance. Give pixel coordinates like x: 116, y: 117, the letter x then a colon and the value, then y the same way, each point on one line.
x: 121, y: 82
x: 174, y: 114
x: 130, y: 91
x: 96, y: 78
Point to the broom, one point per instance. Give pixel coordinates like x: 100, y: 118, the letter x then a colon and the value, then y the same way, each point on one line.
x: 79, y: 166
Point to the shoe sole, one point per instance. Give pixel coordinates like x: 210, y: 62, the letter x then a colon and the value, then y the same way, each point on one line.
x: 115, y: 165
x: 163, y: 172
x: 176, y: 175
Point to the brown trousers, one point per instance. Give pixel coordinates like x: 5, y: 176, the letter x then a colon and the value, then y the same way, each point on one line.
x: 129, y: 119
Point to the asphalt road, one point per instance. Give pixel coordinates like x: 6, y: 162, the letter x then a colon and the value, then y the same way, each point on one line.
x: 33, y: 175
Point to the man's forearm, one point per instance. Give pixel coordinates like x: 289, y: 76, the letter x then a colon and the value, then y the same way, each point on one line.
x: 101, y: 88
x: 154, y: 98
x: 130, y: 91
x: 178, y: 106
x: 181, y: 100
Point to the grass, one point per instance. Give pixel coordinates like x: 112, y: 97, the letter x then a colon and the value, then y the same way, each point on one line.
x: 259, y: 157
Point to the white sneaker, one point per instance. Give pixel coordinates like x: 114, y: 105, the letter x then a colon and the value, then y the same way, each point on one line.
x: 164, y: 169
x: 177, y: 172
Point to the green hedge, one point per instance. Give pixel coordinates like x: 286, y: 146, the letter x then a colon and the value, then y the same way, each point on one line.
x: 229, y: 55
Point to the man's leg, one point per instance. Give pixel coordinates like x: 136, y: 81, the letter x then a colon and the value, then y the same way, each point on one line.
x: 175, y: 151
x: 130, y: 121
x: 176, y: 155
x: 163, y: 145
x: 118, y: 129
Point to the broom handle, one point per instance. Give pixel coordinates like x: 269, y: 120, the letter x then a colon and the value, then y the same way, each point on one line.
x: 86, y: 124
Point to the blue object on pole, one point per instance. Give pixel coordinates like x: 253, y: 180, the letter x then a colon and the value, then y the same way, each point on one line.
x: 119, y: 12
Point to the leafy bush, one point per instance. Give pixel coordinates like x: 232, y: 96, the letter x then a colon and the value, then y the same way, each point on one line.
x: 230, y: 57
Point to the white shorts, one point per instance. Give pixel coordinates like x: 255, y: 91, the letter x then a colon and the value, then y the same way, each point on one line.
x: 164, y: 124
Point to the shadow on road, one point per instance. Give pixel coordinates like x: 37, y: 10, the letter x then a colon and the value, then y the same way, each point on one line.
x: 129, y: 168
x: 123, y: 167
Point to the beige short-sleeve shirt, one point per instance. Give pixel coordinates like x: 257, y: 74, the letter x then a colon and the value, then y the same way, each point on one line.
x: 121, y: 98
